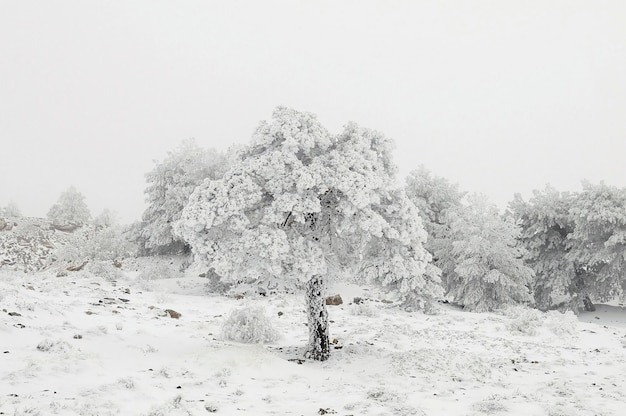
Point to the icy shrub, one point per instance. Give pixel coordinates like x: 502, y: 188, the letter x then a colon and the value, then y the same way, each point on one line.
x: 48, y: 345
x: 562, y: 323
x: 525, y: 321
x: 490, y: 405
x: 363, y: 309
x: 105, y: 270
x: 249, y: 325
x: 158, y: 270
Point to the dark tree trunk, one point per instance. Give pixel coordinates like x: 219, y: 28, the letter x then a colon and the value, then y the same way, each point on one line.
x: 319, y: 343
x: 589, y: 306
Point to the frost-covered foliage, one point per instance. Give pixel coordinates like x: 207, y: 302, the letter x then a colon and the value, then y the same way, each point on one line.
x: 95, y: 244
x: 105, y: 270
x: 598, y: 248
x: 576, y: 244
x: 397, y: 259
x: 158, y: 269
x: 169, y: 185
x: 70, y: 209
x: 10, y: 210
x: 249, y: 325
x: 434, y: 196
x: 545, y: 229
x: 481, y: 259
x: 301, y: 205
x: 106, y: 219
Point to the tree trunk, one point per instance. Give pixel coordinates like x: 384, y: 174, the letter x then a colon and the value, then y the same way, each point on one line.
x: 319, y: 343
x: 589, y: 307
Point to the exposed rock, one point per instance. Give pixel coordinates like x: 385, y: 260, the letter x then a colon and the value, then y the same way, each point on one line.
x: 357, y: 300
x: 334, y: 300
x: 173, y: 314
x: 66, y: 228
x: 117, y: 264
x: 77, y: 268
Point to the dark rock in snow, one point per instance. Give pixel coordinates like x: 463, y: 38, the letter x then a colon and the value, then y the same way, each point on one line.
x: 14, y: 314
x: 357, y: 300
x: 334, y: 300
x: 173, y: 314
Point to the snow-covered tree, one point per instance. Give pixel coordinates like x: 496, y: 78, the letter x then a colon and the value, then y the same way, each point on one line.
x: 11, y: 210
x: 170, y: 184
x: 70, y: 209
x: 106, y: 219
x: 546, y: 226
x: 598, y: 248
x: 481, y: 259
x: 302, y: 205
x: 396, y: 259
x: 434, y: 196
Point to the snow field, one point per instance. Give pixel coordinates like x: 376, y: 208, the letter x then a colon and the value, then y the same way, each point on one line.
x: 84, y: 345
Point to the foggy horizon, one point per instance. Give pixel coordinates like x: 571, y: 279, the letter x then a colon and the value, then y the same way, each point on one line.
x: 499, y: 97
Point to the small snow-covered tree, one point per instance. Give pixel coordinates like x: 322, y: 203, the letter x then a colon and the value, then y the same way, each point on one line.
x: 303, y: 206
x: 170, y: 184
x: 11, y: 210
x: 598, y: 247
x: 396, y: 259
x: 106, y: 219
x: 70, y: 209
x: 481, y: 259
x: 546, y: 227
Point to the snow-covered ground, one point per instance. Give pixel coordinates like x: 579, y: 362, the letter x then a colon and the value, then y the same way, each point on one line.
x: 81, y: 344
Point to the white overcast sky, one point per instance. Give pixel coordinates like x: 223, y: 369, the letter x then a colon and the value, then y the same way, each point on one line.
x: 499, y: 96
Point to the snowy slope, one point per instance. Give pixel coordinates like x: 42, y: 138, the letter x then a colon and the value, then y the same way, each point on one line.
x: 83, y: 345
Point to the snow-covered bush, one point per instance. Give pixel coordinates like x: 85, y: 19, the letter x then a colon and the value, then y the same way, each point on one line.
x: 104, y: 269
x: 89, y: 244
x: 562, y: 324
x: 249, y: 325
x: 70, y: 209
x: 363, y: 309
x: 524, y: 320
x: 158, y: 269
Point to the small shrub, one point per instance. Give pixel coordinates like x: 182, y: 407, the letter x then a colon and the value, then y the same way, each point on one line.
x: 105, y: 269
x: 249, y: 325
x: 562, y: 323
x: 363, y: 309
x: 158, y: 270
x: 525, y: 321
